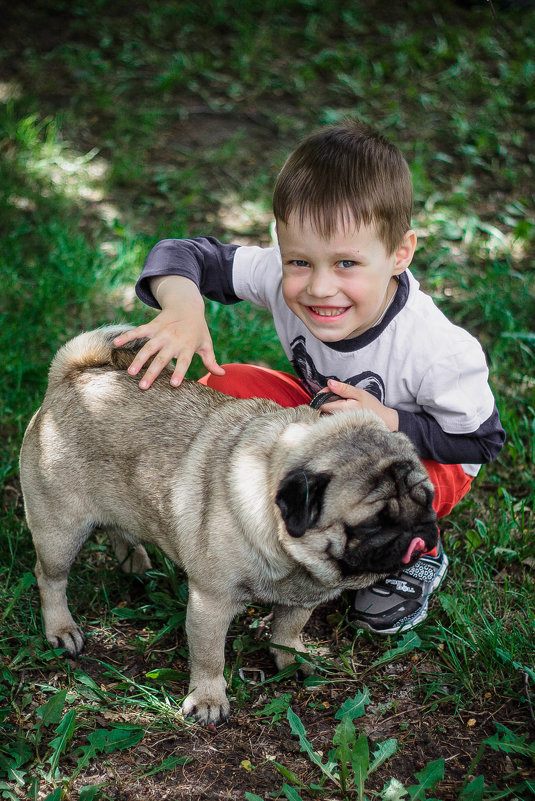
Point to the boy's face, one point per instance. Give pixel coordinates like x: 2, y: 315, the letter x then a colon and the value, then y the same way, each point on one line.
x: 340, y: 286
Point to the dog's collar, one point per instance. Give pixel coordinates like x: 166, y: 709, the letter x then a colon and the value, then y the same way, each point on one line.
x: 323, y: 397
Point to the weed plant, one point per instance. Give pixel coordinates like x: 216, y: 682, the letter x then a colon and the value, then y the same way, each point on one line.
x: 353, y: 761
x: 122, y: 123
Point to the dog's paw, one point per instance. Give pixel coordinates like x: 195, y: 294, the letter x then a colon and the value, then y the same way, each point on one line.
x: 284, y: 659
x: 132, y: 560
x: 306, y: 669
x: 207, y: 706
x: 71, y: 639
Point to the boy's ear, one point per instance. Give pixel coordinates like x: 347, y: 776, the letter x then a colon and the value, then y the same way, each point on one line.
x: 405, y: 252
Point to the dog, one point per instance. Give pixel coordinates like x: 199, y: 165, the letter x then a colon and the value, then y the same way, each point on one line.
x: 256, y: 502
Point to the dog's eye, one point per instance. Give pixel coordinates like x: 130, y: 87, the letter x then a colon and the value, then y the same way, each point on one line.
x: 366, y: 529
x: 373, y: 527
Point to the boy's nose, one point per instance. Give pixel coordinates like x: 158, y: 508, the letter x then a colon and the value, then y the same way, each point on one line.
x: 321, y: 284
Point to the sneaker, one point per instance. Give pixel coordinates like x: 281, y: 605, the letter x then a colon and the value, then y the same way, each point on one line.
x: 399, y: 602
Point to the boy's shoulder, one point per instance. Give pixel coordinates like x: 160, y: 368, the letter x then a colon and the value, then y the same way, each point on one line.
x: 257, y: 272
x: 421, y: 312
x: 250, y: 256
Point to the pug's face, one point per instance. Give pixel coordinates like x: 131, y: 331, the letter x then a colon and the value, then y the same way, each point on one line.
x: 357, y: 509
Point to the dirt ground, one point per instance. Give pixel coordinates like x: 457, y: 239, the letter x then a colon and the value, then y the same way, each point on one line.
x: 227, y: 761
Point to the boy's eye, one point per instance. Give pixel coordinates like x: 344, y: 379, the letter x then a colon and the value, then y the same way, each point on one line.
x: 345, y: 263
x: 299, y: 263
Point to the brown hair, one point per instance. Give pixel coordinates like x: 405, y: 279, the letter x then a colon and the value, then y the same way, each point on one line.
x: 349, y: 173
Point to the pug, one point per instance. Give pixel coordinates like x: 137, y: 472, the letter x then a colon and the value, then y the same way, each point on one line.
x: 257, y: 503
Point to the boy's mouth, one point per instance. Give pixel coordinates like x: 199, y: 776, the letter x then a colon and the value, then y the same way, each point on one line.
x: 328, y: 311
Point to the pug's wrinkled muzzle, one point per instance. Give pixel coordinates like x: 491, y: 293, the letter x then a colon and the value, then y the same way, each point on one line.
x: 387, y: 550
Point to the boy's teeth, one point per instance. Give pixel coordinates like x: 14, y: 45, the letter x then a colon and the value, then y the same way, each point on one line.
x: 327, y: 312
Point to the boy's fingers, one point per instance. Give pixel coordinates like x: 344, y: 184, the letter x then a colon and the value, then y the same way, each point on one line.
x: 162, y: 347
x: 128, y: 336
x: 347, y: 390
x: 210, y: 362
x: 216, y: 369
x: 147, y: 351
x: 337, y: 406
x: 344, y: 390
x: 152, y: 372
x: 181, y: 368
x: 183, y: 363
x: 161, y: 358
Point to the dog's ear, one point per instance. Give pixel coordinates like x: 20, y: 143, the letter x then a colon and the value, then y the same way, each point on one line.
x: 300, y: 499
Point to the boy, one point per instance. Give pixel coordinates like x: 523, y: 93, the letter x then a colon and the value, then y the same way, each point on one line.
x: 352, y: 321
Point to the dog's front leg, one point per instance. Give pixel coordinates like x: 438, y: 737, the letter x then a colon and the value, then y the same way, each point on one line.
x: 207, y: 620
x: 288, y: 622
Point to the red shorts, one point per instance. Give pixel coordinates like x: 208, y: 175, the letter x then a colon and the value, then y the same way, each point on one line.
x: 250, y: 381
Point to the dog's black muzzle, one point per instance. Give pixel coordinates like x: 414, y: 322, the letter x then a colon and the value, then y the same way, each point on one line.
x: 375, y: 548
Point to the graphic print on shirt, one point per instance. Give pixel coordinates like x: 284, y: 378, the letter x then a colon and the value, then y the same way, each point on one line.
x: 314, y: 381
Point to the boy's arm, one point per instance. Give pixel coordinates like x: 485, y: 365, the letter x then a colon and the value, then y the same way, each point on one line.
x: 430, y: 440
x: 177, y: 272
x: 205, y: 260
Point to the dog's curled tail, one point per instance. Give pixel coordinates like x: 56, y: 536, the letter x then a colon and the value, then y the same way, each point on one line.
x: 92, y: 349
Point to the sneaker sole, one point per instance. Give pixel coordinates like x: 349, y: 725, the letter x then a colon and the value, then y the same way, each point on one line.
x: 420, y: 616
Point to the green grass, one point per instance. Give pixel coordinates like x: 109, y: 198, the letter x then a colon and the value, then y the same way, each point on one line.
x: 122, y: 123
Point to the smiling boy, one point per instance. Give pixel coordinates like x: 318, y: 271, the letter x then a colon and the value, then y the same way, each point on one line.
x: 340, y: 287
x: 351, y: 319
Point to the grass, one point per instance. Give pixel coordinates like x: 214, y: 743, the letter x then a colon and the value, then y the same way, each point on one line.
x: 123, y: 123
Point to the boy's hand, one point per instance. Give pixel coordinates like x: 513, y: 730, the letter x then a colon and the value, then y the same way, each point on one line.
x: 171, y: 338
x: 356, y: 398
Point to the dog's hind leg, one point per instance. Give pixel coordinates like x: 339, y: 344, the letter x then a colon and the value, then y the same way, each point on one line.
x: 131, y: 558
x: 56, y: 551
x: 60, y: 629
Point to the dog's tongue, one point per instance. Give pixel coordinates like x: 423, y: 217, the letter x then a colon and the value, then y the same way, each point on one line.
x: 417, y: 546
